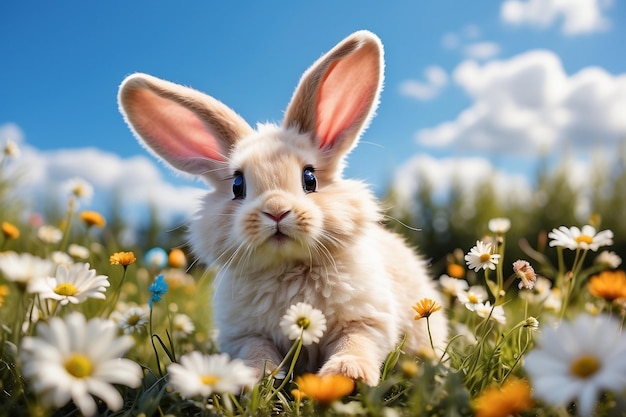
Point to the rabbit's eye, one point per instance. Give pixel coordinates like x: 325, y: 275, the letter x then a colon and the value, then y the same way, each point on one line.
x: 239, y: 186
x: 309, y: 182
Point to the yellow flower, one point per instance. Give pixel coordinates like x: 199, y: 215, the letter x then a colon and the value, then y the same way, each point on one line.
x: 178, y: 278
x: 409, y: 368
x: 425, y: 307
x: 10, y: 231
x: 322, y: 389
x: 514, y: 397
x: 456, y: 271
x: 122, y: 258
x: 177, y: 259
x: 4, y: 291
x: 92, y: 218
x: 609, y: 285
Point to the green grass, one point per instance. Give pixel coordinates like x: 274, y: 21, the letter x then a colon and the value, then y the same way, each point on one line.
x: 482, y: 353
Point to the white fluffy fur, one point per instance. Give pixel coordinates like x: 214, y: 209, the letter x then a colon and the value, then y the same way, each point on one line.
x: 333, y: 252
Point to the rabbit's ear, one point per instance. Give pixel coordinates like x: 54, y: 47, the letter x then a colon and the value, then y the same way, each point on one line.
x: 191, y: 131
x: 338, y: 95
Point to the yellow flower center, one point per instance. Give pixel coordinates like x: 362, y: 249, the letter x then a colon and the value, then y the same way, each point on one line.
x: 485, y: 257
x: 209, y: 379
x: 303, y: 322
x: 585, y: 366
x: 584, y: 239
x: 66, y: 289
x: 78, y: 366
x: 472, y: 298
x: 133, y: 320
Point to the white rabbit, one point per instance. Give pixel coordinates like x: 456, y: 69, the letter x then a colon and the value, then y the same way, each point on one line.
x: 282, y: 224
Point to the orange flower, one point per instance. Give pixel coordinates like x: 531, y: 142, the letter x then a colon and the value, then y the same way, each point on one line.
x: 514, y: 397
x: 122, y: 258
x: 4, y: 291
x: 177, y: 259
x: 425, y: 307
x: 92, y: 218
x: 456, y: 270
x: 10, y: 231
x: 322, y: 389
x: 610, y: 285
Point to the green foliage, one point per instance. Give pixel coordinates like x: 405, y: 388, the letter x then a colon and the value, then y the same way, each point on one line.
x: 483, y: 352
x: 461, y: 217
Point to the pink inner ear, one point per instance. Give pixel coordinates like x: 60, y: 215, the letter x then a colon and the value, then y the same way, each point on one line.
x: 345, y: 96
x: 172, y: 130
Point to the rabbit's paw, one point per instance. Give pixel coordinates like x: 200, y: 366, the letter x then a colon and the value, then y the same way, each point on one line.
x: 352, y: 366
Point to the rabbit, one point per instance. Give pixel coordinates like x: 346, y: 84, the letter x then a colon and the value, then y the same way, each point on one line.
x: 283, y: 226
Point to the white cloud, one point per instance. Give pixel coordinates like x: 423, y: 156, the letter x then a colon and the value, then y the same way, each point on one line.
x: 482, y: 50
x: 136, y: 182
x: 471, y: 31
x: 442, y: 173
x: 467, y: 174
x: 578, y: 16
x: 435, y: 80
x: 450, y: 40
x: 528, y: 104
x: 466, y: 39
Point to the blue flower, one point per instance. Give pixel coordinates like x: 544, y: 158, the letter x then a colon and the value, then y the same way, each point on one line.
x: 158, y: 289
x: 156, y: 258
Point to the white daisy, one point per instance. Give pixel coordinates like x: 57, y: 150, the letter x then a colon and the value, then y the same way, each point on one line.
x: 61, y: 258
x: 49, y: 234
x: 481, y: 256
x: 608, y: 259
x: 78, y: 251
x: 472, y: 298
x: 577, y: 361
x: 23, y: 268
x: 11, y: 149
x: 592, y: 309
x: 539, y: 293
x: 552, y: 301
x: 586, y: 238
x: 73, y: 359
x: 72, y: 284
x: 499, y: 225
x: 198, y: 374
x: 133, y: 319
x: 303, y: 319
x: 495, y: 313
x: 532, y: 323
x: 182, y: 326
x: 452, y: 286
x: 462, y: 330
x: 80, y: 189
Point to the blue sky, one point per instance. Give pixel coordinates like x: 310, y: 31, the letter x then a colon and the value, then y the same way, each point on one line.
x: 470, y: 86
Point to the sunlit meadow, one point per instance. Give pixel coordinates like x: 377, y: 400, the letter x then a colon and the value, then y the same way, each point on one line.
x: 90, y: 327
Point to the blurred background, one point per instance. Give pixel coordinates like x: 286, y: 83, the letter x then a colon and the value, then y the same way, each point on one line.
x: 516, y: 109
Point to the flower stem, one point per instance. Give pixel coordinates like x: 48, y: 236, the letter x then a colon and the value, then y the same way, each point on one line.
x: 109, y: 307
x: 295, y: 349
x: 430, y: 336
x: 68, y: 223
x: 156, y: 353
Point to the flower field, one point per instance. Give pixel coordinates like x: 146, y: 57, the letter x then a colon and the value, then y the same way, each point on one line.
x: 90, y: 327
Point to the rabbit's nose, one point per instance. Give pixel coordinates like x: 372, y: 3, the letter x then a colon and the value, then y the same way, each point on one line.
x: 277, y: 217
